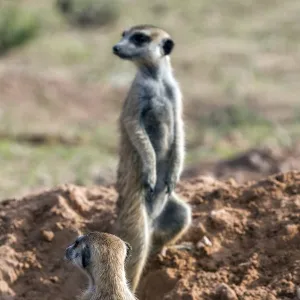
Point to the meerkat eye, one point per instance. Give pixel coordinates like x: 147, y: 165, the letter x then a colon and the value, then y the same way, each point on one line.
x: 140, y: 38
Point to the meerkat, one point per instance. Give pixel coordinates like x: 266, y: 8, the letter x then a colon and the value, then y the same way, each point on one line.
x: 102, y: 257
x: 150, y: 214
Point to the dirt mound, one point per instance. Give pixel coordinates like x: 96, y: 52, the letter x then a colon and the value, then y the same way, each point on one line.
x: 34, y: 232
x: 253, y: 164
x: 244, y: 242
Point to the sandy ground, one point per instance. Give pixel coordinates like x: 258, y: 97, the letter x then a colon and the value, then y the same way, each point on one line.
x: 243, y: 244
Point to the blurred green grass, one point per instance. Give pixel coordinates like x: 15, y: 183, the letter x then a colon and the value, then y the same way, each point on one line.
x: 27, y: 167
x: 17, y: 27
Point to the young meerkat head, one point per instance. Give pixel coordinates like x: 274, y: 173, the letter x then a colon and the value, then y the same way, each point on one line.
x: 95, y: 251
x: 144, y: 43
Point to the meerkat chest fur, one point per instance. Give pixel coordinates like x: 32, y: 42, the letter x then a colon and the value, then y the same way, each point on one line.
x: 158, y: 96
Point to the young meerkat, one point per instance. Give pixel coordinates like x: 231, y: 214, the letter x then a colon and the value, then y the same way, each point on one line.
x: 150, y: 214
x: 102, y: 256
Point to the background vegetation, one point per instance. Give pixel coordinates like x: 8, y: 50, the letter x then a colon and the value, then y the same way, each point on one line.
x: 61, y: 88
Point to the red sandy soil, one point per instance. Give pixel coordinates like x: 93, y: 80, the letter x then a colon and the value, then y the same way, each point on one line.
x: 253, y: 229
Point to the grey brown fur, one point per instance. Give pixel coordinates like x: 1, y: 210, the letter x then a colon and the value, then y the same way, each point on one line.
x: 150, y: 214
x: 102, y: 257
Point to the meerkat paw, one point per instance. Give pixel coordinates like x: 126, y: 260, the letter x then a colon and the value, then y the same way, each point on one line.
x: 171, y: 183
x: 149, y: 177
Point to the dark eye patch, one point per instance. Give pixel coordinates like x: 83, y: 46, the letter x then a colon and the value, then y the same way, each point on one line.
x: 86, y: 256
x: 140, y: 39
x: 123, y: 33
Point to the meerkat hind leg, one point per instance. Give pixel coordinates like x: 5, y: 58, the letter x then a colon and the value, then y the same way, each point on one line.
x: 171, y: 224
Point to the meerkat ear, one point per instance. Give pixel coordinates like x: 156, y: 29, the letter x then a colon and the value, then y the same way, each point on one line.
x: 129, y: 249
x: 168, y: 46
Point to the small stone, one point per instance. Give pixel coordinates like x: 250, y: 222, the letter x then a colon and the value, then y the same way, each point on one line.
x: 271, y: 297
x: 200, y: 245
x: 201, y: 228
x: 59, y: 226
x: 224, y: 292
x: 292, y: 230
x: 231, y: 181
x: 38, y: 265
x: 298, y: 292
x: 54, y: 279
x: 221, y: 218
x: 204, y: 242
x: 41, y: 279
x: 47, y: 235
x: 26, y: 266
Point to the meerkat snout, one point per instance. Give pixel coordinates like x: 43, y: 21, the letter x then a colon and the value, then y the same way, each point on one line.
x: 79, y: 253
x: 116, y: 49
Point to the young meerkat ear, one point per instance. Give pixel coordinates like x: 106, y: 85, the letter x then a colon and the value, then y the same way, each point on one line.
x: 129, y: 249
x: 168, y: 46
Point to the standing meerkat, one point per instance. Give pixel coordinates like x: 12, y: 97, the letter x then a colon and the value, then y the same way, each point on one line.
x: 102, y: 256
x: 150, y: 214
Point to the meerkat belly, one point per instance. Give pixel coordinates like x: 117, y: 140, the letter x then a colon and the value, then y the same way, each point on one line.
x: 159, y: 125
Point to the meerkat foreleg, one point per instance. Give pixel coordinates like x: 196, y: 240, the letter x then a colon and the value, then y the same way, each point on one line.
x: 142, y: 144
x: 176, y: 158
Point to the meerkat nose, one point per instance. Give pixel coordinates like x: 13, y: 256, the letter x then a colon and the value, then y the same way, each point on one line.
x: 116, y: 49
x: 68, y: 255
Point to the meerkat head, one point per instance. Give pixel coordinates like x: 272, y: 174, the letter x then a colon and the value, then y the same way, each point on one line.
x: 144, y: 43
x: 95, y: 251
